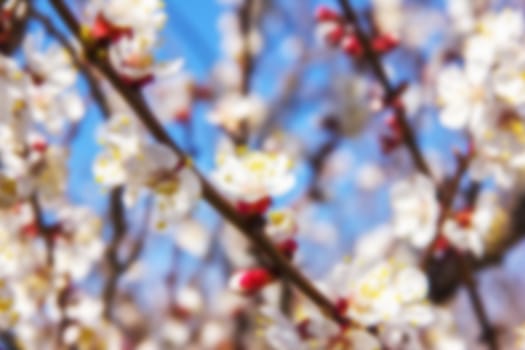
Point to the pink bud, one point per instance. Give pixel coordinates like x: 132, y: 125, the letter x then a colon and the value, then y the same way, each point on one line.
x: 441, y: 244
x: 335, y: 34
x: 324, y: 13
x: 303, y: 329
x: 104, y: 31
x: 464, y: 217
x: 254, y: 208
x: 288, y: 247
x: 385, y: 43
x: 251, y: 280
x: 39, y: 146
x: 392, y: 122
x: 341, y: 306
x: 137, y: 83
x: 351, y: 45
x: 29, y: 229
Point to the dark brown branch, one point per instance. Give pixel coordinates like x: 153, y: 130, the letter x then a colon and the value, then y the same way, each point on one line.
x: 13, y: 25
x: 246, y: 60
x: 114, y: 266
x: 253, y: 232
x: 448, y: 192
x: 487, y: 332
x: 372, y: 58
x: 43, y: 229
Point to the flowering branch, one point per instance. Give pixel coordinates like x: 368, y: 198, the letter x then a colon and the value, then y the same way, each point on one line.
x: 448, y: 193
x: 247, y: 226
x: 391, y: 92
x: 447, y: 198
x: 116, y: 268
x: 94, y: 88
x: 449, y: 190
x: 487, y: 332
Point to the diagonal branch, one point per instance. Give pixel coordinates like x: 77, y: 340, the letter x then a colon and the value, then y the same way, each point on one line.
x: 391, y: 92
x: 487, y: 331
x: 246, y: 61
x: 118, y: 220
x: 246, y: 226
x: 43, y: 228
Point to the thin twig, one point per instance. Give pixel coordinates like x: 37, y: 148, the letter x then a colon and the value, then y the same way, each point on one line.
x: 245, y: 225
x: 117, y: 266
x: 487, y: 332
x: 372, y: 58
x: 43, y: 229
x: 118, y: 220
x: 448, y: 193
x: 246, y: 61
x: 465, y: 267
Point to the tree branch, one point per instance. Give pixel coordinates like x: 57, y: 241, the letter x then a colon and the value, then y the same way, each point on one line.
x: 487, y: 332
x: 211, y: 195
x: 43, y: 229
x: 391, y: 92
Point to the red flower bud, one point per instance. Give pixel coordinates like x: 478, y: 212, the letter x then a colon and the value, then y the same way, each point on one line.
x: 251, y: 280
x: 39, y: 146
x: 335, y: 35
x: 30, y: 229
x: 341, y: 306
x: 351, y: 45
x: 384, y: 43
x: 441, y: 244
x: 254, y: 208
x: 288, y: 247
x: 464, y: 217
x: 303, y: 329
x: 137, y: 83
x: 105, y: 32
x: 324, y: 13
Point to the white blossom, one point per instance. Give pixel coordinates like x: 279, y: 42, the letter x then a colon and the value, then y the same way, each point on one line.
x: 415, y: 210
x: 252, y: 175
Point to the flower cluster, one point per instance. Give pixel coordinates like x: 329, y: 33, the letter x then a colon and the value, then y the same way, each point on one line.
x: 128, y: 159
x: 37, y: 101
x: 484, y: 95
x: 310, y: 234
x: 334, y: 30
x: 252, y: 178
x: 130, y: 34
